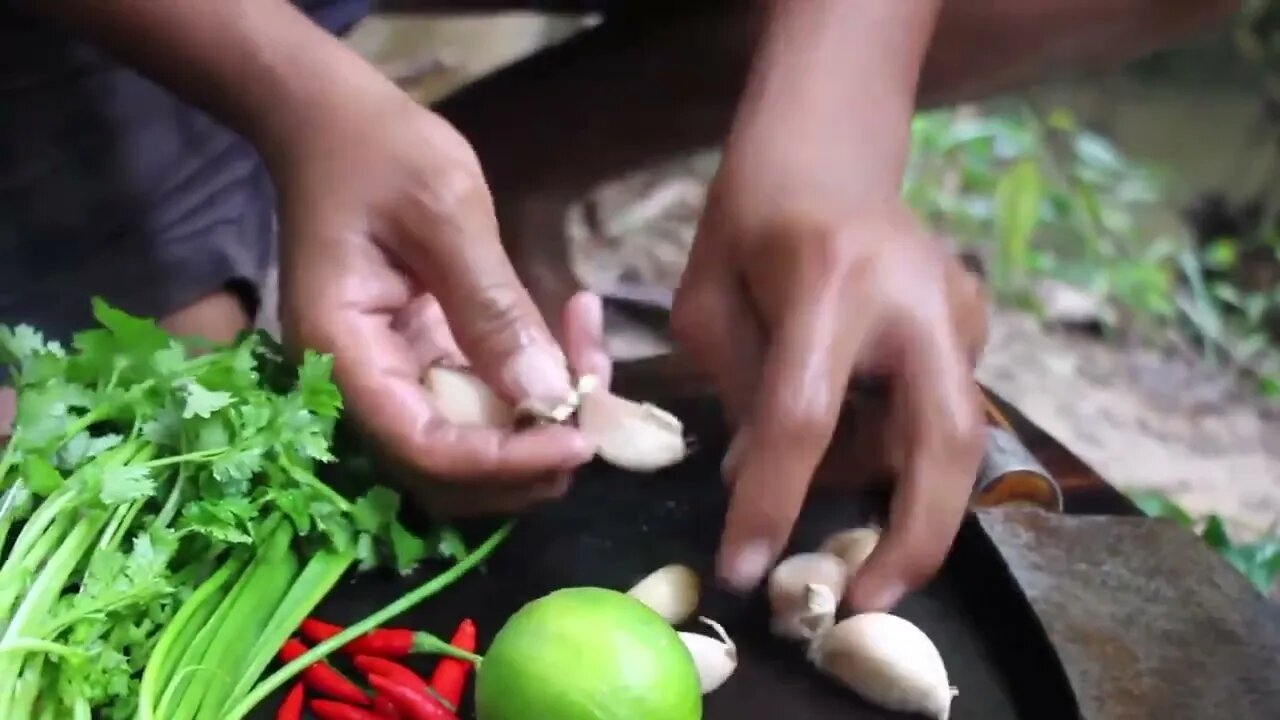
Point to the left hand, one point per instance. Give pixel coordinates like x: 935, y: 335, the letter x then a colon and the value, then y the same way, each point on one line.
x: 793, y: 286
x: 427, y: 333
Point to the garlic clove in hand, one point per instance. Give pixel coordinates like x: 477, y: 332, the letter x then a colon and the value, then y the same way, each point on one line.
x: 853, y: 546
x: 464, y: 399
x: 715, y: 658
x: 671, y: 591
x: 887, y: 660
x: 804, y: 594
x: 631, y: 435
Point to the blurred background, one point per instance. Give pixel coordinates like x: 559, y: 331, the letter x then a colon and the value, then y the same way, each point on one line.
x: 1127, y: 223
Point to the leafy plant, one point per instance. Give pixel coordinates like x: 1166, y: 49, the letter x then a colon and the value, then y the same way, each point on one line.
x: 1037, y: 196
x: 1259, y: 561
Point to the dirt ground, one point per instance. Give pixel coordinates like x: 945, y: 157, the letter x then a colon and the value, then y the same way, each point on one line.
x: 1145, y: 421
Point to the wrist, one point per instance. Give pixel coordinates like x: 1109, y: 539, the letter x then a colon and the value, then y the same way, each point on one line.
x: 836, y: 80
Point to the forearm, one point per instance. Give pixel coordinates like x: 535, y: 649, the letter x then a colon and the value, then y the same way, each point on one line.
x: 838, y: 80
x: 985, y: 47
x: 260, y: 66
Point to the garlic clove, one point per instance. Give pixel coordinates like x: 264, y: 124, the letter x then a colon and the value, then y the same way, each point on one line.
x: 804, y: 593
x: 715, y: 658
x: 464, y: 399
x: 853, y: 546
x: 671, y: 591
x: 631, y: 435
x: 887, y: 660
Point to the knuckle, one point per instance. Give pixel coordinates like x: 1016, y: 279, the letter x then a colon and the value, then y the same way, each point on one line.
x: 804, y: 419
x: 499, y: 319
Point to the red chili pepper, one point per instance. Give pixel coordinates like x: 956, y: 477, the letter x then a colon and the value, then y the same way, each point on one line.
x: 332, y: 710
x: 450, y: 676
x: 384, y: 708
x: 412, y: 704
x: 370, y: 665
x: 322, y: 678
x: 384, y: 642
x: 291, y: 708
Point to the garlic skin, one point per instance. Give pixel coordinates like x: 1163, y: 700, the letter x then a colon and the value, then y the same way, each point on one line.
x: 888, y: 661
x: 715, y: 658
x: 464, y: 399
x: 804, y: 593
x: 671, y: 591
x: 636, y: 436
x: 853, y: 546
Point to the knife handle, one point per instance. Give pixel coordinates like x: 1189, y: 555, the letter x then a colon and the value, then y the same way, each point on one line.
x: 1009, y: 473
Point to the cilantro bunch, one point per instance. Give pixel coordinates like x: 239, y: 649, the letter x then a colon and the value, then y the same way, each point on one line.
x: 163, y: 522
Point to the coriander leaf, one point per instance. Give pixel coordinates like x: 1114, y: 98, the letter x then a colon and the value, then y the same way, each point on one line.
x: 238, y: 465
x: 210, y: 519
x: 141, y: 336
x: 295, y: 504
x: 20, y: 343
x: 407, y: 549
x: 375, y: 510
x: 202, y: 402
x: 171, y: 361
x: 447, y: 542
x: 126, y: 484
x: 366, y: 552
x: 83, y: 447
x: 253, y: 416
x: 335, y: 526
x: 165, y: 427
x: 319, y: 394
x: 40, y: 477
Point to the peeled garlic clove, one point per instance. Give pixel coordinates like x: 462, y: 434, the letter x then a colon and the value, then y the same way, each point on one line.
x: 716, y: 659
x: 888, y: 661
x: 464, y: 399
x: 853, y: 546
x: 804, y: 593
x: 636, y: 436
x: 670, y: 591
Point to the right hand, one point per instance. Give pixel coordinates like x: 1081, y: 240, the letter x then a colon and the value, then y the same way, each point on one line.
x: 384, y: 211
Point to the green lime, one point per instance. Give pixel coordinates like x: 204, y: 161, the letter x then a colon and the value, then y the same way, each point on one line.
x: 587, y: 653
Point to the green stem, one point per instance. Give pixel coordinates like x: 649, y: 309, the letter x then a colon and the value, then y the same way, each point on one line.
x: 27, y: 690
x: 322, y: 572
x: 263, y: 596
x: 310, y: 480
x: 43, y: 594
x: 180, y: 693
x: 190, y: 618
x: 406, y: 602
x: 15, y: 576
x: 25, y: 645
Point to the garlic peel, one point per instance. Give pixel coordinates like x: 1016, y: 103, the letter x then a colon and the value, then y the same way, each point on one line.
x: 671, y: 591
x: 887, y: 660
x: 804, y: 593
x: 853, y: 546
x: 716, y: 658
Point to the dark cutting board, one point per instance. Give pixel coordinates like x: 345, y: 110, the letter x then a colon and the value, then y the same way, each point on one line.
x: 615, y: 527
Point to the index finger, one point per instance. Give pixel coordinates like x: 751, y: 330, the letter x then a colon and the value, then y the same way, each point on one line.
x: 786, y: 435
x: 944, y: 419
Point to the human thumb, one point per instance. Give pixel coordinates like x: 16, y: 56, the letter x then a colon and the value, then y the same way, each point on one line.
x: 504, y: 337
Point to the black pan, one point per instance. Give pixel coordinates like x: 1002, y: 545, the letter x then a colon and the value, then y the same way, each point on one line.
x: 615, y: 527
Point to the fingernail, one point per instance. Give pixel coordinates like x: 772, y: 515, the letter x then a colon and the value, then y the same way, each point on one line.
x: 729, y: 466
x: 874, y: 597
x: 538, y: 376
x: 748, y: 566
x: 593, y: 314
